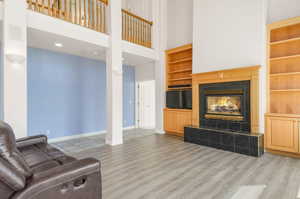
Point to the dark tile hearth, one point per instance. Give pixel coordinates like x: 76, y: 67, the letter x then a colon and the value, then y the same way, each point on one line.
x: 248, y: 144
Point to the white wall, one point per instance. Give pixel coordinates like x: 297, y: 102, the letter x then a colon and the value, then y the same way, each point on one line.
x: 142, y: 8
x: 283, y: 9
x: 230, y: 34
x: 144, y: 72
x: 180, y: 23
x: 227, y: 34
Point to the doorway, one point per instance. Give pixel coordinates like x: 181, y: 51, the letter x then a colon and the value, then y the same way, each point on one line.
x: 145, y: 104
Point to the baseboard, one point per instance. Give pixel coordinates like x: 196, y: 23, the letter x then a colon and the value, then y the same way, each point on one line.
x: 129, y: 128
x: 159, y: 131
x: 282, y: 153
x: 60, y: 139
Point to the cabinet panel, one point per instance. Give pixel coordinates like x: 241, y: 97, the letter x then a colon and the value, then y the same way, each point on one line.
x: 175, y: 120
x: 170, y: 118
x: 282, y: 134
x: 183, y: 119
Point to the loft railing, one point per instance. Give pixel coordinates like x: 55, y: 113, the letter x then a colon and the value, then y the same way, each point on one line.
x: 136, y: 29
x: 87, y: 13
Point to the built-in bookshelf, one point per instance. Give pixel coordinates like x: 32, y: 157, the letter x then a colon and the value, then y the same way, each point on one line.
x: 179, y: 67
x: 283, y: 114
x: 178, y: 77
x: 284, y: 68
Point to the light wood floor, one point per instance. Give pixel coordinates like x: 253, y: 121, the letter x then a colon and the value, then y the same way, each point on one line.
x: 162, y: 167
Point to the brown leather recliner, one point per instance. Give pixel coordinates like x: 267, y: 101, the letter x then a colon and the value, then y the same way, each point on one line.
x: 32, y: 169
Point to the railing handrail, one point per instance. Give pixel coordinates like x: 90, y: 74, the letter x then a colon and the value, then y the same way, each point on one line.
x: 81, y: 12
x: 138, y: 17
x: 105, y: 1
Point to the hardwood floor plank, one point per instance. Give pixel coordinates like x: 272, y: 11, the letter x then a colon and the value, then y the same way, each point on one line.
x: 150, y: 166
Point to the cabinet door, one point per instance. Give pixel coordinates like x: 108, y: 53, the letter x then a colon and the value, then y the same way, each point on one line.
x: 183, y: 119
x: 282, y: 134
x: 170, y: 121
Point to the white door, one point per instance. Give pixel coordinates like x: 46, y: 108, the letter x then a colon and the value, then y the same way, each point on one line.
x: 146, y: 104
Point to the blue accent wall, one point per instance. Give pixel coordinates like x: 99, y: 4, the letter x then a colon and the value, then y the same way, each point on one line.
x: 67, y: 94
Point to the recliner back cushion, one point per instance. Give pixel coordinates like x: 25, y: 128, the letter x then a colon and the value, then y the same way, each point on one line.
x: 10, y: 177
x: 9, y: 151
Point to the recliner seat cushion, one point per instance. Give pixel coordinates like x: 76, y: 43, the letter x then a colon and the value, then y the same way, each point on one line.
x: 9, y: 151
x: 42, y: 156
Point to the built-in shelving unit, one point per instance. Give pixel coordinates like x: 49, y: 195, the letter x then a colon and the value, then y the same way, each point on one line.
x: 283, y: 117
x: 179, y: 67
x: 284, y: 69
x: 178, y: 77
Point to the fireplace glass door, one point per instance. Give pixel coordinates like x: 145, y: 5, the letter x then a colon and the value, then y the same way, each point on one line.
x: 224, y: 105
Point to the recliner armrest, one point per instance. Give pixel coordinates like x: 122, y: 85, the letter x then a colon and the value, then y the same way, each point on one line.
x: 27, y: 141
x: 79, y: 179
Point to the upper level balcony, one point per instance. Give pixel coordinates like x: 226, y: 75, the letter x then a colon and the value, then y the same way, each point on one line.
x: 92, y: 14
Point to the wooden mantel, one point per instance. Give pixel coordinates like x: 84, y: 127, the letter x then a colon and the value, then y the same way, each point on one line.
x: 237, y: 74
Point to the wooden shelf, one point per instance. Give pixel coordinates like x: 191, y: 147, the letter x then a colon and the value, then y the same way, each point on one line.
x: 179, y: 66
x: 284, y: 57
x: 179, y: 88
x: 284, y: 41
x: 180, y: 79
x: 284, y: 74
x: 285, y: 90
x: 181, y: 60
x: 179, y: 71
x: 283, y: 115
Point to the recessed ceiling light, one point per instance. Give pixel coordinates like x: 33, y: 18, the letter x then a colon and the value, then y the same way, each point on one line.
x: 59, y: 45
x: 95, y: 53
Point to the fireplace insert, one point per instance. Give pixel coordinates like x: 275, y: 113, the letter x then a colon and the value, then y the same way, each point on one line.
x: 225, y: 106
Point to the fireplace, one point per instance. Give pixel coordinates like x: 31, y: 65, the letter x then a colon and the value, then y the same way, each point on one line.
x: 225, y: 106
x: 226, y: 111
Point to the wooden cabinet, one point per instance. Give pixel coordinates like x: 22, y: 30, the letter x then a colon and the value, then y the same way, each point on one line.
x: 283, y: 114
x: 176, y: 119
x: 282, y: 134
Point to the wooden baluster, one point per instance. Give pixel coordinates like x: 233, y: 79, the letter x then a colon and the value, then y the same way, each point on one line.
x: 101, y: 13
x: 65, y: 9
x: 144, y: 33
x: 84, y: 13
x: 124, y: 16
x: 49, y: 10
x: 102, y: 17
x: 80, y: 16
x: 35, y: 5
x: 70, y: 10
x: 126, y: 27
x: 42, y: 6
x: 150, y: 36
x: 134, y: 30
x: 76, y: 18
x: 94, y: 15
x: 140, y: 32
x: 29, y: 4
x: 89, y: 13
x: 131, y: 28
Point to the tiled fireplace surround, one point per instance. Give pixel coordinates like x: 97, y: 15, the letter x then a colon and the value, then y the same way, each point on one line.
x: 221, y: 133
